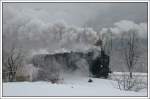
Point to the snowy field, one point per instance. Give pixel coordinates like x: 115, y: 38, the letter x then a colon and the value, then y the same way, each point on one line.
x: 72, y: 86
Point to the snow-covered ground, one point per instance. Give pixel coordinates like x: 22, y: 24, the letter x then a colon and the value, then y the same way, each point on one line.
x: 71, y: 86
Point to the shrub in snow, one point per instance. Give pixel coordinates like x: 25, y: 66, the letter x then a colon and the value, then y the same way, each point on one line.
x: 125, y: 82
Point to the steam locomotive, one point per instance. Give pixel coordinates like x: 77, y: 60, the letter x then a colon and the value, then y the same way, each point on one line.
x: 96, y: 61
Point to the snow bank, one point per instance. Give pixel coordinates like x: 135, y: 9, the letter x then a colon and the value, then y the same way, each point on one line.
x: 71, y: 87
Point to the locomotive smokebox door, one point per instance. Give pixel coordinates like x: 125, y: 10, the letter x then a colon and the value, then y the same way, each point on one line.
x: 100, y: 66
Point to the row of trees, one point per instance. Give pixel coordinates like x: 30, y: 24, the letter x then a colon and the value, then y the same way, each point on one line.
x: 129, y: 47
x: 130, y: 51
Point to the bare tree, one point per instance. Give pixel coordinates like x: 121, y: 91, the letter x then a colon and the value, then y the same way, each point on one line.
x: 130, y: 49
x: 12, y: 62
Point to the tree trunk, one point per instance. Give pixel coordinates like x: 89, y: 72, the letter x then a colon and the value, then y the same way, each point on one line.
x: 12, y: 76
x: 130, y: 74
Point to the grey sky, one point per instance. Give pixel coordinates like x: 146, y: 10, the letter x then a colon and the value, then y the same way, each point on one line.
x: 97, y: 15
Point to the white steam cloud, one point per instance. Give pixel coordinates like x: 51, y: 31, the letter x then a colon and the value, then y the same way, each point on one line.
x: 30, y: 29
x: 35, y: 29
x: 124, y: 26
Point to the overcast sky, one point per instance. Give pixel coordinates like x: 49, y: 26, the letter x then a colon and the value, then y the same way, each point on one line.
x: 96, y: 15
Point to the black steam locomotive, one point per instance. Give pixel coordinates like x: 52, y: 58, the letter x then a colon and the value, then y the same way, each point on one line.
x: 100, y: 66
x: 95, y: 60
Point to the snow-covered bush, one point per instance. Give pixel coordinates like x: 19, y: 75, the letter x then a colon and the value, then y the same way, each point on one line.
x: 125, y: 82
